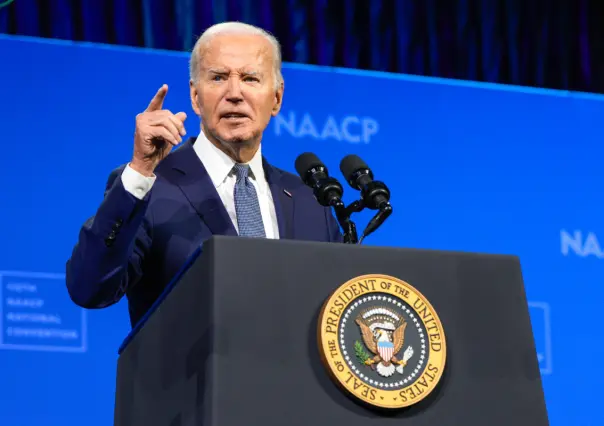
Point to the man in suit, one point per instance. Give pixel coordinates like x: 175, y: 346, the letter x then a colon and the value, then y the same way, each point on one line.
x: 161, y: 206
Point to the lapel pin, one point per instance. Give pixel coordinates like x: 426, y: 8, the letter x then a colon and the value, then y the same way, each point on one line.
x: 289, y: 194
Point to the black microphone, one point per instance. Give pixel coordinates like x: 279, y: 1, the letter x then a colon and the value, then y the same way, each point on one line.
x: 314, y: 173
x: 375, y: 194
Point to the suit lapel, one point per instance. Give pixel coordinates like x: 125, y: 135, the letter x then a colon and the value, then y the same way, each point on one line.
x: 283, y: 200
x: 186, y: 170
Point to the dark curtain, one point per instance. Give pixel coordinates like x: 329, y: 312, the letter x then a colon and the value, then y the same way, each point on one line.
x: 544, y: 43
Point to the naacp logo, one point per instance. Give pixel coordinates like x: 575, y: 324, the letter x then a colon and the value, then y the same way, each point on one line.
x: 382, y: 341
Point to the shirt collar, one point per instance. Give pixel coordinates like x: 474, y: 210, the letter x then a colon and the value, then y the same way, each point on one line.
x: 219, y: 165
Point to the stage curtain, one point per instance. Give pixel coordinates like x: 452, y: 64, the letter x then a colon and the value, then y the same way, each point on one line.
x: 544, y: 43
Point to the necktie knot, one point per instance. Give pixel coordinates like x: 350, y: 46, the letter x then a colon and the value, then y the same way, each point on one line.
x: 241, y: 171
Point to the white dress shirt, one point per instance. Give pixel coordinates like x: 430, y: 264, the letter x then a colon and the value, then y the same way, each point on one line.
x: 220, y: 169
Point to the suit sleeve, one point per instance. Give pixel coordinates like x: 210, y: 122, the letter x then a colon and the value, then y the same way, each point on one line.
x: 107, y: 259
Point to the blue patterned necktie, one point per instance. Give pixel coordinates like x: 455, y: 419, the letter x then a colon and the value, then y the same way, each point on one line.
x: 247, y: 207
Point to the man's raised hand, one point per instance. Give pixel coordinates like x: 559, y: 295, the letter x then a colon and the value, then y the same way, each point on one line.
x: 157, y: 131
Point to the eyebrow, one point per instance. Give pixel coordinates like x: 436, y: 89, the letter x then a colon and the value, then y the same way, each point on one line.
x: 224, y: 71
x: 217, y: 71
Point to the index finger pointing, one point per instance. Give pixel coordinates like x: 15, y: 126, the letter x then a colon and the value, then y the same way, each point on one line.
x: 158, y: 100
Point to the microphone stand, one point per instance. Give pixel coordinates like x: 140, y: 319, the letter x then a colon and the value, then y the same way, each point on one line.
x: 343, y: 214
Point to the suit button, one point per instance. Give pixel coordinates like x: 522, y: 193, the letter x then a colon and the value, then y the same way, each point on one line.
x: 110, y: 239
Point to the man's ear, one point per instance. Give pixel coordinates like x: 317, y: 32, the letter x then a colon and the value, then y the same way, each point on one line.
x: 194, y: 94
x: 278, y: 99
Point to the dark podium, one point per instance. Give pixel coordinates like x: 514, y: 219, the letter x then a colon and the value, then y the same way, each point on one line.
x: 234, y: 342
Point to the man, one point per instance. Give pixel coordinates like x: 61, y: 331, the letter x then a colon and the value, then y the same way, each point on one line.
x: 161, y: 206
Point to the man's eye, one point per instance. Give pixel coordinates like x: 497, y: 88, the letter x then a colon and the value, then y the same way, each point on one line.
x: 251, y: 79
x: 217, y: 77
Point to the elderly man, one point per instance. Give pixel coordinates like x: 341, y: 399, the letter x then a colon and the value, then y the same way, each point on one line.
x: 162, y: 205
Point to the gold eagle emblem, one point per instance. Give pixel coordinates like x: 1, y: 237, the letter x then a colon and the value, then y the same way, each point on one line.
x: 384, y: 335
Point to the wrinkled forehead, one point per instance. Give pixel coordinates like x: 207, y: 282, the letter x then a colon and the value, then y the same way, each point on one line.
x: 237, y: 51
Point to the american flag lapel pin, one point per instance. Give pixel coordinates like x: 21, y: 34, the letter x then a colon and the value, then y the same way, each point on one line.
x: 289, y: 194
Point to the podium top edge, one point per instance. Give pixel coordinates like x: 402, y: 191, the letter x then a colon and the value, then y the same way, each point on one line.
x: 401, y: 249
x: 220, y: 239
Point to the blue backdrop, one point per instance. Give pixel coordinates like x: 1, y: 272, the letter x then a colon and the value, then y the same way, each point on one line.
x: 472, y: 167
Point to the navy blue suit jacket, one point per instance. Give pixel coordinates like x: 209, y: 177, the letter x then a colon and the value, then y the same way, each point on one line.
x: 135, y: 247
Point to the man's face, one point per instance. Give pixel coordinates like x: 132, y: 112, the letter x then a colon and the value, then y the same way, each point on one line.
x: 235, y: 94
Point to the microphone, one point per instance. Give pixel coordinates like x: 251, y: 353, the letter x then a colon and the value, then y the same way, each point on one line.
x: 375, y: 194
x: 328, y: 191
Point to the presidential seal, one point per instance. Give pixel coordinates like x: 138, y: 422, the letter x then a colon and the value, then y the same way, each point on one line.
x: 382, y: 341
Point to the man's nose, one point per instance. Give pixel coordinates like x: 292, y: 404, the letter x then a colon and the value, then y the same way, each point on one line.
x: 234, y: 90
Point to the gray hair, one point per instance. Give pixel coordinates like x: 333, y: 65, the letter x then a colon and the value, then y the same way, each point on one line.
x: 234, y: 28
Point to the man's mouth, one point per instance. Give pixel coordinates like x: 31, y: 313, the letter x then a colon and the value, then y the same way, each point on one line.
x: 234, y: 115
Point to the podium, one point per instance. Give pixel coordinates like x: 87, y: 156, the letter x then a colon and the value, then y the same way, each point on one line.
x: 242, y: 337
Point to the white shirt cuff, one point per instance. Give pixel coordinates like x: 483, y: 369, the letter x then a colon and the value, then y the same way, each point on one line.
x: 135, y: 183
